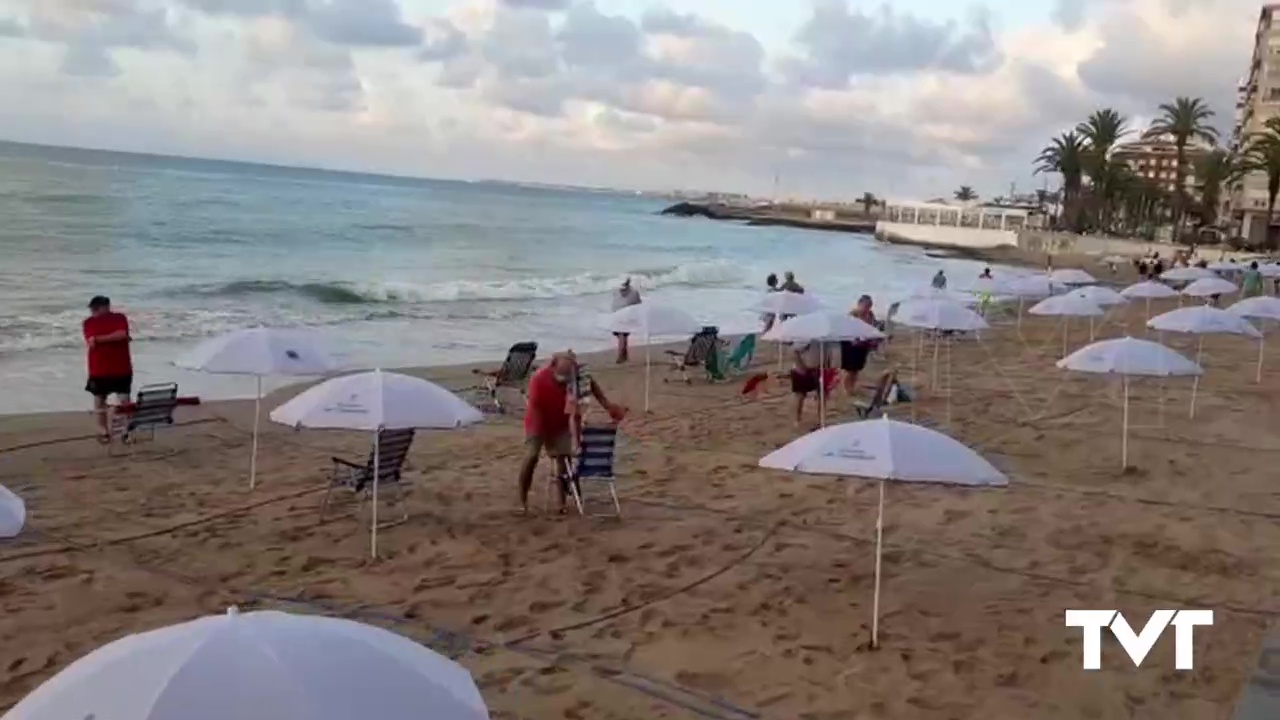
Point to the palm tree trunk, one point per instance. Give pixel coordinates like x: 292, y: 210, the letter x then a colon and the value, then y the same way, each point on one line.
x: 1179, y: 177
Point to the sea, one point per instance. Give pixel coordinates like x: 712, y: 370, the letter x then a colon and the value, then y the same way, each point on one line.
x: 395, y: 272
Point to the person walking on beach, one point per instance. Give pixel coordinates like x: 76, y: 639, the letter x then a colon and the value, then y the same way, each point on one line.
x: 939, y: 280
x: 771, y: 286
x: 854, y: 354
x: 806, y: 374
x: 1251, y: 281
x: 626, y: 297
x: 106, y: 335
x: 549, y: 420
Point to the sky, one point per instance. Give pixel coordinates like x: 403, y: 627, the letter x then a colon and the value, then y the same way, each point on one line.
x: 833, y: 98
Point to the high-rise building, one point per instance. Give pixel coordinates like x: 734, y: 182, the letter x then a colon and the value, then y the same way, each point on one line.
x: 1257, y: 100
x: 1156, y: 159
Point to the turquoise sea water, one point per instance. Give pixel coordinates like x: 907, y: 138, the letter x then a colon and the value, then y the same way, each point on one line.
x: 397, y: 272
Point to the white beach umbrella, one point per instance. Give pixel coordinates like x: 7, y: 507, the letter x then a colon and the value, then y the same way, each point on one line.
x: 1262, y: 308
x: 888, y: 451
x: 1068, y: 306
x: 992, y: 286
x: 373, y: 401
x: 1128, y: 357
x: 1034, y: 286
x: 1186, y: 274
x: 1149, y: 290
x: 1209, y: 286
x: 1269, y: 270
x: 1071, y: 276
x: 822, y: 327
x: 653, y: 320
x: 1201, y: 320
x: 787, y: 303
x: 13, y: 513
x: 939, y: 315
x: 1224, y: 266
x: 260, y: 352
x: 945, y: 295
x: 266, y: 665
x: 1101, y: 296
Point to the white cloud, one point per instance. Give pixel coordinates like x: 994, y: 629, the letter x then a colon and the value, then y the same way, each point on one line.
x: 878, y: 100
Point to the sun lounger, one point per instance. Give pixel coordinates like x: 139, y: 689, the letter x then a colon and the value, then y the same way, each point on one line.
x: 153, y: 408
x: 514, y: 373
x: 393, y: 448
x: 594, y: 463
x: 738, y: 362
x: 703, y: 352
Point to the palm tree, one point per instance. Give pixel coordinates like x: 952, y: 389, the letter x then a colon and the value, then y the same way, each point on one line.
x: 1184, y: 120
x: 965, y: 194
x: 1217, y: 170
x: 1065, y: 155
x: 1263, y: 155
x: 868, y: 201
x: 1101, y: 132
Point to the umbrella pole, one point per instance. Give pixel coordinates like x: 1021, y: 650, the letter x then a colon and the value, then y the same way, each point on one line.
x: 950, y: 385
x: 933, y: 384
x: 1148, y: 312
x: 373, y: 524
x: 646, y: 372
x: 1160, y: 335
x: 1195, y: 385
x: 822, y: 384
x: 1091, y: 335
x: 1020, y: 301
x: 253, y: 453
x: 1262, y: 350
x: 1066, y: 323
x: 875, y: 599
x: 1124, y: 433
x: 915, y: 366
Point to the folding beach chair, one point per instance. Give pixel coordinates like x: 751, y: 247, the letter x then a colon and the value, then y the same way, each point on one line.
x: 738, y: 362
x: 514, y: 373
x: 598, y: 448
x: 703, y: 352
x: 153, y: 408
x: 393, y: 448
x: 880, y: 396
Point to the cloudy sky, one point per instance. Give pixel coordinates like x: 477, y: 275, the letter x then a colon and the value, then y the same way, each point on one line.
x: 903, y: 99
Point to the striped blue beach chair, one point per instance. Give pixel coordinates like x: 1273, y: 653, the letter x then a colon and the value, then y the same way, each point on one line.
x: 594, y: 463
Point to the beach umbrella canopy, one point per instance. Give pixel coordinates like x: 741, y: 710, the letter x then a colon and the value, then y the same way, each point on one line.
x: 787, y: 303
x: 1127, y: 357
x: 266, y: 665
x: 825, y: 326
x: 1149, y: 289
x: 652, y: 320
x: 1210, y: 286
x: 1264, y: 307
x: 260, y: 352
x: 1186, y: 274
x: 376, y: 400
x: 1071, y: 276
x: 888, y: 451
x: 1034, y: 286
x: 944, y: 295
x: 1101, y: 296
x: 1071, y: 305
x: 1203, y: 320
x: 13, y: 513
x: 1269, y: 270
x: 938, y: 314
x: 1227, y: 267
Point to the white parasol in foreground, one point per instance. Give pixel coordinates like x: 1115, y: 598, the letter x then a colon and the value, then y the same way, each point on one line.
x: 885, y: 450
x: 1071, y: 276
x: 373, y: 401
x: 1202, y: 320
x: 13, y: 513
x: 265, y: 665
x: 1068, y: 306
x: 822, y: 327
x: 1210, y: 286
x: 1264, y: 307
x: 652, y: 320
x: 260, y: 352
x: 1128, y: 357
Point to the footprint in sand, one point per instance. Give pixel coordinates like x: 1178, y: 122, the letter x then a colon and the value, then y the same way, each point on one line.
x: 537, y: 607
x: 513, y: 623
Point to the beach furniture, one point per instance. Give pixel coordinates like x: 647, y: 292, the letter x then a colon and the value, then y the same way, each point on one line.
x: 703, y: 352
x: 514, y: 373
x: 594, y: 463
x: 153, y: 408
x: 879, y: 396
x: 390, y: 453
x: 740, y: 359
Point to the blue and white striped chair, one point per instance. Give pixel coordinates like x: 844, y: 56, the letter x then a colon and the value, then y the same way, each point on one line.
x: 594, y: 463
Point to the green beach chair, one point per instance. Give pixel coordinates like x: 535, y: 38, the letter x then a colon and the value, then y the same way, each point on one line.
x: 738, y: 362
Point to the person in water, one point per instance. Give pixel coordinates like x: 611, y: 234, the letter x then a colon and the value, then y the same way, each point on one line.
x: 939, y: 280
x: 771, y: 286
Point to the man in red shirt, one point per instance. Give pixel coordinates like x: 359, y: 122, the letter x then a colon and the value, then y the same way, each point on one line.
x: 549, y: 418
x: 106, y: 334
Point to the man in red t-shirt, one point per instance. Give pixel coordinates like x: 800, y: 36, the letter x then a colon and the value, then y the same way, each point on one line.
x: 549, y: 417
x: 106, y: 334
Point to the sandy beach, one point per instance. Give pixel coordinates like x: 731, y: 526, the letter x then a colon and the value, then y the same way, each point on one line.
x: 727, y: 591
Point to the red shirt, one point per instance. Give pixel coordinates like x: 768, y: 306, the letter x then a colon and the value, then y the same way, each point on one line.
x: 108, y: 359
x: 547, y: 413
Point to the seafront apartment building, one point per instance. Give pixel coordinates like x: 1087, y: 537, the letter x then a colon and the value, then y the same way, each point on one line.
x: 1156, y: 159
x: 1257, y: 99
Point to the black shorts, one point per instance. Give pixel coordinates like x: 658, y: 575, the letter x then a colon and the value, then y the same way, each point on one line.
x: 853, y: 357
x: 804, y: 382
x: 621, y: 335
x: 101, y: 387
